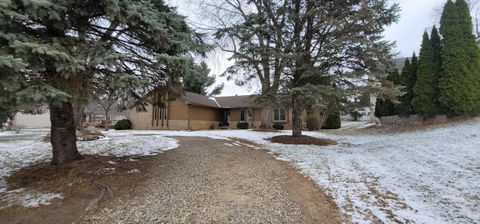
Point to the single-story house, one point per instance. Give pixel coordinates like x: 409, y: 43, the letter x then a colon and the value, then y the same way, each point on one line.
x: 193, y: 111
x: 95, y: 114
x: 25, y: 120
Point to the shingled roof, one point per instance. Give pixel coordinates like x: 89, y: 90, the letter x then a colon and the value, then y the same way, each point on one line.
x: 200, y: 100
x: 228, y: 102
x: 236, y: 101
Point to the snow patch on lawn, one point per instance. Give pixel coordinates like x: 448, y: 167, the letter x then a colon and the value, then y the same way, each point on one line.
x: 423, y: 176
x: 28, y: 198
x: 16, y: 154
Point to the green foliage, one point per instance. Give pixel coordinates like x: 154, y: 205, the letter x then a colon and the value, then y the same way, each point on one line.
x: 124, y: 124
x: 70, y: 47
x: 385, y: 107
x: 425, y: 101
x: 242, y: 125
x: 333, y: 121
x: 312, y: 122
x: 278, y: 126
x: 198, y: 81
x: 460, y: 80
x: 408, y: 80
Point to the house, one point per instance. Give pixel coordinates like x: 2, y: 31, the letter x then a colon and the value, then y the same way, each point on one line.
x: 193, y: 111
x: 95, y: 114
x: 25, y: 120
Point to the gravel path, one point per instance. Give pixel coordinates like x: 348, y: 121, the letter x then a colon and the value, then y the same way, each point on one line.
x: 215, y: 181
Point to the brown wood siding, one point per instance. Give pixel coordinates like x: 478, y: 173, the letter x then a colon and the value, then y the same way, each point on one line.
x: 198, y: 113
x: 177, y: 110
x: 257, y: 114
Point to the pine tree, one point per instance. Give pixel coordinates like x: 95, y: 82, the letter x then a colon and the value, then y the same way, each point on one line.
x: 408, y: 80
x: 198, y: 80
x: 459, y: 92
x: 425, y: 89
x: 386, y: 107
x: 436, y: 42
x: 71, y: 46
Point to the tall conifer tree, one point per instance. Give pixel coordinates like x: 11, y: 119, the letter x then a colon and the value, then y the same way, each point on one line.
x: 408, y: 80
x: 459, y: 84
x: 425, y: 94
x: 386, y: 107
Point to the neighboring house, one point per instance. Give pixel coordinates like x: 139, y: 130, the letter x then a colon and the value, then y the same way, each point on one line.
x: 95, y: 115
x: 194, y: 111
x: 23, y: 120
x: 400, y: 63
x: 363, y: 112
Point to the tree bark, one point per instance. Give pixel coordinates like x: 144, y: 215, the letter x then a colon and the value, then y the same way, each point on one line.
x: 106, y: 120
x: 296, y: 119
x: 63, y: 138
x: 78, y: 114
x: 267, y: 117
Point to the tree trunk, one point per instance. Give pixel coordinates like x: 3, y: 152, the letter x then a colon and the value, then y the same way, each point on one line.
x: 106, y: 120
x: 296, y: 119
x: 78, y: 113
x: 63, y: 138
x: 267, y: 117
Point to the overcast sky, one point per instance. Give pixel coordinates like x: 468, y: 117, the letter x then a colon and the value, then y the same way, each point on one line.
x: 416, y: 17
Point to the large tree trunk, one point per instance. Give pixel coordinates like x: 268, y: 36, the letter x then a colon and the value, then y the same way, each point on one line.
x: 78, y: 113
x: 63, y: 138
x: 297, y: 125
x: 267, y: 117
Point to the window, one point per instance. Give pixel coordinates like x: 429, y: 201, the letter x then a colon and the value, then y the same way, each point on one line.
x: 279, y: 114
x: 242, y: 115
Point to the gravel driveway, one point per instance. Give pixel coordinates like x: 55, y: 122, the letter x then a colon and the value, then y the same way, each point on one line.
x: 219, y: 181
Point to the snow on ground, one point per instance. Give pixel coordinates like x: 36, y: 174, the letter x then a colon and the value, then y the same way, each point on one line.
x: 424, y: 176
x: 17, y: 152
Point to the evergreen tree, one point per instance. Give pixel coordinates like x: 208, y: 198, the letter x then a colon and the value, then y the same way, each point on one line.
x: 459, y: 92
x: 198, y: 80
x: 408, y: 80
x: 72, y: 45
x: 425, y: 101
x: 436, y: 42
x: 386, y: 107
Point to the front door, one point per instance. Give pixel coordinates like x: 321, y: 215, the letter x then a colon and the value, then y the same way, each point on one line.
x: 225, y: 117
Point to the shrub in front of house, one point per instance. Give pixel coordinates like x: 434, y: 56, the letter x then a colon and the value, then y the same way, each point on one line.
x: 333, y: 121
x: 278, y: 126
x: 242, y: 125
x: 312, y: 123
x: 124, y: 124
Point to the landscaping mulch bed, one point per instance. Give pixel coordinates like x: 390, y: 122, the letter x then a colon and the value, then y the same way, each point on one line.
x: 265, y: 130
x: 302, y: 140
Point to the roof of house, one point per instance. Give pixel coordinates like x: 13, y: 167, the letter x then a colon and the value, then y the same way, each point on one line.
x: 400, y: 63
x: 201, y: 100
x: 236, y: 101
x: 94, y: 108
x: 229, y: 102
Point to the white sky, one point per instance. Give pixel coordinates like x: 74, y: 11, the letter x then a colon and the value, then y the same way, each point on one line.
x: 416, y: 17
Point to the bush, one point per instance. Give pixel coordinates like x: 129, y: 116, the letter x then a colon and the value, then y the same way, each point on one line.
x: 124, y: 124
x: 312, y: 122
x: 333, y: 121
x: 278, y: 126
x: 242, y: 125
